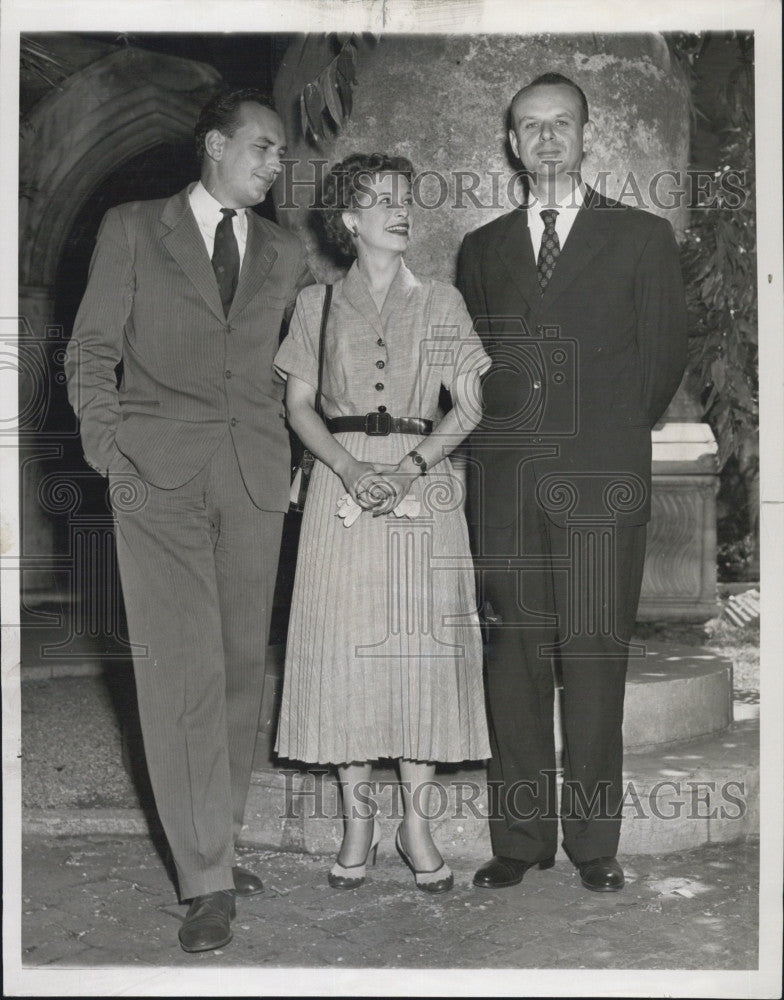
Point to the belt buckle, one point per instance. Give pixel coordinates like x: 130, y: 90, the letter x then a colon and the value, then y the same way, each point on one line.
x: 378, y: 424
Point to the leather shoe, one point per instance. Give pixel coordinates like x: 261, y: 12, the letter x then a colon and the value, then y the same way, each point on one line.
x: 501, y: 872
x: 601, y: 875
x: 207, y: 923
x: 245, y: 882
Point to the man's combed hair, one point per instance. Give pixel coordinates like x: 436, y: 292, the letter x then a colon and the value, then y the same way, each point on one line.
x: 556, y: 79
x: 343, y: 185
x: 222, y: 112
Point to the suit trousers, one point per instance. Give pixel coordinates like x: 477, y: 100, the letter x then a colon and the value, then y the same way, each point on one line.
x: 198, y: 566
x: 565, y: 600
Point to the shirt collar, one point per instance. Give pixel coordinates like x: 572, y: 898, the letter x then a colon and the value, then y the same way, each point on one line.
x: 206, y: 208
x: 572, y: 201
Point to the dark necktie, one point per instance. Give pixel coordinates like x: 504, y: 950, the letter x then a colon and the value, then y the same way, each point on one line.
x: 226, y: 258
x: 550, y: 250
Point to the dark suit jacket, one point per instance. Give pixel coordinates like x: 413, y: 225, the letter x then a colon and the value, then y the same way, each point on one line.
x: 189, y: 371
x: 580, y: 373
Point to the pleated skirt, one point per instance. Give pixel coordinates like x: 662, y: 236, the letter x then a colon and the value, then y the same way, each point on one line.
x: 384, y: 650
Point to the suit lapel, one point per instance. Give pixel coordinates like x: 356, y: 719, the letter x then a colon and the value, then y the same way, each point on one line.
x: 182, y: 239
x: 517, y: 255
x: 260, y: 255
x: 587, y: 236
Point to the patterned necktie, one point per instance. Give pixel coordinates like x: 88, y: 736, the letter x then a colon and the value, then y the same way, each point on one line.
x: 226, y: 258
x: 550, y: 250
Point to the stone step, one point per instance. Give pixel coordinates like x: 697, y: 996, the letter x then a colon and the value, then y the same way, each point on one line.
x: 676, y: 798
x: 698, y: 792
x: 675, y: 693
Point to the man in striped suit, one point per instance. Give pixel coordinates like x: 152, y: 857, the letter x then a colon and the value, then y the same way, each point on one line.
x: 188, y: 294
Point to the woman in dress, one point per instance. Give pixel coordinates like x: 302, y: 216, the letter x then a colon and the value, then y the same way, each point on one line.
x: 384, y: 654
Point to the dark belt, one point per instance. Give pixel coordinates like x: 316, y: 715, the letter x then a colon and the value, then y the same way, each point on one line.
x: 378, y: 424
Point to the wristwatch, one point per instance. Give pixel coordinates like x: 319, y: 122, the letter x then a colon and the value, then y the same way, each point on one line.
x: 418, y: 460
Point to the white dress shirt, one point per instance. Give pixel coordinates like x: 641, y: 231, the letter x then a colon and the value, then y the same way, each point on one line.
x: 567, y: 210
x: 208, y: 214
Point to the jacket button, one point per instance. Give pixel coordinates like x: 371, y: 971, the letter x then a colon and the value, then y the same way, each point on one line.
x: 379, y: 364
x: 382, y: 409
x: 537, y: 385
x: 233, y: 421
x: 380, y: 342
x: 227, y: 373
x: 229, y: 328
x: 379, y: 386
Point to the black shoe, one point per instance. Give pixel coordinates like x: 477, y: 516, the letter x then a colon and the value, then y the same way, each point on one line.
x: 207, y: 923
x: 601, y: 875
x: 353, y: 876
x: 434, y: 881
x: 501, y: 872
x: 246, y: 883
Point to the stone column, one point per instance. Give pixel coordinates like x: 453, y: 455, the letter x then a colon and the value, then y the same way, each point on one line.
x: 442, y: 102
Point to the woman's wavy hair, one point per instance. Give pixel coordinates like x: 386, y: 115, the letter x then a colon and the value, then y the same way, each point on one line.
x: 342, y: 186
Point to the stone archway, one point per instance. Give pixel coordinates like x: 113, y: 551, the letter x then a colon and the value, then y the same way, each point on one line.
x: 111, y: 111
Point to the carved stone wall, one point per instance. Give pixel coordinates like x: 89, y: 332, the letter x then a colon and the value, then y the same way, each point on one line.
x: 679, y: 581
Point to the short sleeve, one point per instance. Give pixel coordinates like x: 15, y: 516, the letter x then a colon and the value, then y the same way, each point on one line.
x: 452, y: 330
x: 298, y: 353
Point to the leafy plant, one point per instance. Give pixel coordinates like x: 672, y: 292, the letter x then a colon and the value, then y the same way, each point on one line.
x: 37, y: 59
x: 328, y: 98
x: 720, y: 263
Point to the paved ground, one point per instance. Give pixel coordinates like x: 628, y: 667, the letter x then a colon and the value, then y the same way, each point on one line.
x: 101, y: 901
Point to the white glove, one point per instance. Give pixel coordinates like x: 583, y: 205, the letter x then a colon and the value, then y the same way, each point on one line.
x: 349, y: 510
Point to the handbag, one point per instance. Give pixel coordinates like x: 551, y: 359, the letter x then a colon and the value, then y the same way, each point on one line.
x: 301, y: 480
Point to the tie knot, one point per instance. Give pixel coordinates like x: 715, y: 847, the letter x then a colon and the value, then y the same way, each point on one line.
x: 228, y: 213
x: 549, y: 215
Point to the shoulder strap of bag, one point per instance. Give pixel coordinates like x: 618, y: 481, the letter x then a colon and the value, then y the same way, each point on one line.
x: 322, y: 337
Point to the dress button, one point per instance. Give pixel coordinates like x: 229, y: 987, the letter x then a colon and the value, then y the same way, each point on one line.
x: 233, y: 421
x: 382, y: 409
x: 379, y: 364
x: 379, y: 386
x: 227, y: 373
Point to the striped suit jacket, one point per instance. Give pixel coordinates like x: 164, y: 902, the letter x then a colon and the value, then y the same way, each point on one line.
x: 189, y: 372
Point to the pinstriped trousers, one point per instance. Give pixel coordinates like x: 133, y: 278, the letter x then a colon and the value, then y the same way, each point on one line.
x: 198, y: 566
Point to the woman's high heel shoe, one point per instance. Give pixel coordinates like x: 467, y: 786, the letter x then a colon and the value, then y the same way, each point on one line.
x: 437, y: 880
x: 352, y: 876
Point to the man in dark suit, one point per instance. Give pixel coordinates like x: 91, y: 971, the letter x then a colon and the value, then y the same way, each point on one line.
x: 189, y: 294
x: 580, y: 303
